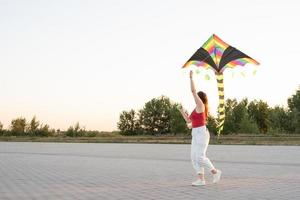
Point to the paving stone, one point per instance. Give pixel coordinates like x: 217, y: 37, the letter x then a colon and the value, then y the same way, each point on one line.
x: 51, y: 171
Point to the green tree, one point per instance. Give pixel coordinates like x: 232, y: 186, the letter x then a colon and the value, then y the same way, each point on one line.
x: 259, y: 112
x: 230, y: 123
x: 240, y: 112
x: 294, y: 108
x: 1, y: 129
x: 33, y: 127
x: 155, y: 116
x: 280, y: 121
x: 237, y: 119
x: 128, y: 123
x: 248, y: 125
x: 18, y: 126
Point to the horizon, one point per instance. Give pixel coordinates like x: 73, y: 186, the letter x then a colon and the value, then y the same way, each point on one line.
x: 70, y: 61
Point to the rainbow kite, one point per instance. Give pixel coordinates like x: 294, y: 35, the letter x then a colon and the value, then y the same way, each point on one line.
x: 217, y: 55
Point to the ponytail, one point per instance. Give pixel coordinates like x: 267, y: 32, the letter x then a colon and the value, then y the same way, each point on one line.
x: 206, y: 110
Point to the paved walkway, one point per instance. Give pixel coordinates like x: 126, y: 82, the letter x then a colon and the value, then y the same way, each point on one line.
x: 59, y: 171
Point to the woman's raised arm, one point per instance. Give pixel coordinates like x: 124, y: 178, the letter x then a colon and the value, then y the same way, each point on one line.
x: 199, y: 104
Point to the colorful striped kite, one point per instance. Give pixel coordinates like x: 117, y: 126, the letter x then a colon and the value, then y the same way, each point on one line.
x: 217, y: 55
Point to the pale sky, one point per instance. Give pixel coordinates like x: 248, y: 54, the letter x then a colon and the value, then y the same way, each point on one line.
x: 68, y: 61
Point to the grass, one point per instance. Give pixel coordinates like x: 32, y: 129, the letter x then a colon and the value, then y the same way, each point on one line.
x: 114, y: 137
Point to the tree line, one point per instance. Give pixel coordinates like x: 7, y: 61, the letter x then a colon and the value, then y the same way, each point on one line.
x: 21, y: 127
x: 161, y: 116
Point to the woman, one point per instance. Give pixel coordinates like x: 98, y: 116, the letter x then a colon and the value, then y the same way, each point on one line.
x: 200, y: 136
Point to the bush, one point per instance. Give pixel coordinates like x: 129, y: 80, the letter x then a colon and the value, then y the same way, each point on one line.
x: 75, y: 131
x: 91, y: 133
x: 45, y: 131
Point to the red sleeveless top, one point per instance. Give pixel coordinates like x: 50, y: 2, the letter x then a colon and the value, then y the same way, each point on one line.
x: 198, y: 119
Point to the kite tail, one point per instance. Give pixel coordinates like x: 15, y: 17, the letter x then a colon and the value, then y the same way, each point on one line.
x: 221, y: 107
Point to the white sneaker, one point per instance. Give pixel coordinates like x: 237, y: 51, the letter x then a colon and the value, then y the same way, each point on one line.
x: 217, y: 176
x: 198, y: 182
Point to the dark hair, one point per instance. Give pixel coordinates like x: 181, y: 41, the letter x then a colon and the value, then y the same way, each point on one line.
x: 203, y: 97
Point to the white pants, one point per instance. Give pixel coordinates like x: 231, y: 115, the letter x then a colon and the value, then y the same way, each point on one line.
x: 200, y: 140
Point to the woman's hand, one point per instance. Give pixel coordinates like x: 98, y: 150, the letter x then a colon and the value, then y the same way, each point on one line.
x: 189, y: 125
x: 182, y: 110
x: 184, y: 113
x: 179, y: 107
